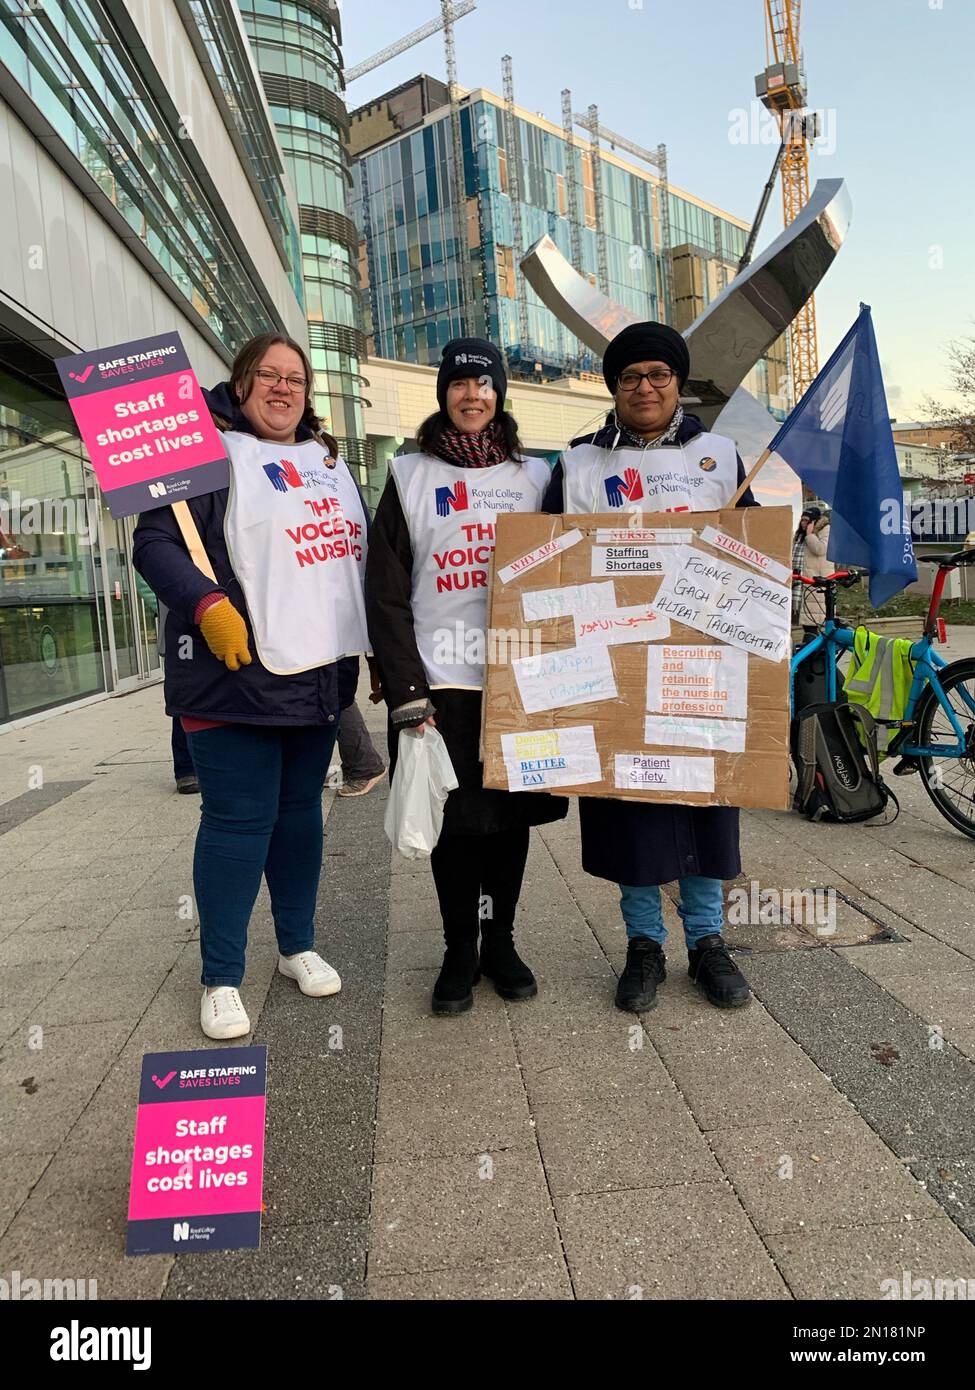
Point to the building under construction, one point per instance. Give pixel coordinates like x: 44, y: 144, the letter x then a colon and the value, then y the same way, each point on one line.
x: 436, y: 262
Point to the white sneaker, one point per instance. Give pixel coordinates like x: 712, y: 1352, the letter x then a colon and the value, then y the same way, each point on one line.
x: 314, y: 975
x: 222, y: 1015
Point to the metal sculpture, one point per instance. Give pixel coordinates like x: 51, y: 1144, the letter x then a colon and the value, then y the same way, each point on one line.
x: 739, y: 326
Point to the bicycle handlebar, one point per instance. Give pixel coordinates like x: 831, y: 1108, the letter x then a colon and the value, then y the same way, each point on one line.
x: 850, y: 577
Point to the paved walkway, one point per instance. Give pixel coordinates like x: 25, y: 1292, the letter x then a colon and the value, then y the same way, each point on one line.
x: 811, y: 1146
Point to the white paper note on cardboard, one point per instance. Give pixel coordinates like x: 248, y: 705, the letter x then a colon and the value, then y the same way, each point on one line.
x: 728, y: 603
x: 664, y: 772
x: 551, y: 758
x: 747, y: 554
x: 700, y: 679
x: 572, y: 676
x: 539, y: 556
x: 621, y: 535
x: 638, y: 623
x: 677, y: 731
x: 631, y: 558
x: 538, y: 605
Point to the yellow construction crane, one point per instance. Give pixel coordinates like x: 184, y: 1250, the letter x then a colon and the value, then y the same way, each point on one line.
x: 782, y: 88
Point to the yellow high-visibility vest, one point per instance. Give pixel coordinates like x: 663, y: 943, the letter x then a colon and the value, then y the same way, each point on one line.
x: 880, y: 678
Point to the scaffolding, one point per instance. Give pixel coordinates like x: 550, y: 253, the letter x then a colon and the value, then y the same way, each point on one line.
x: 458, y: 198
x: 657, y: 159
x: 571, y: 184
x: 591, y: 123
x: 513, y: 147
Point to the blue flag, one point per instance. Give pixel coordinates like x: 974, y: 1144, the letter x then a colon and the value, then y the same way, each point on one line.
x: 838, y: 440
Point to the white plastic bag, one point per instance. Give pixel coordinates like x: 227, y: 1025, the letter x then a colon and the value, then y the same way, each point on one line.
x: 423, y: 777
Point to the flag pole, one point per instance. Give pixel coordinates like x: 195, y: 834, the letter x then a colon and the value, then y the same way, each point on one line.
x: 748, y: 481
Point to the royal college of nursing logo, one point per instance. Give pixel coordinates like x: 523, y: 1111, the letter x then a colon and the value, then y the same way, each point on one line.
x: 708, y: 464
x: 629, y: 486
x: 283, y: 475
x: 451, y: 499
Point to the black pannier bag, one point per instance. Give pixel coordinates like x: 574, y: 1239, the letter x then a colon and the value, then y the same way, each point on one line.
x: 839, y: 775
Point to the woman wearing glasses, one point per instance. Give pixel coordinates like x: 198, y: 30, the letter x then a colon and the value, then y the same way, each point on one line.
x: 652, y: 457
x: 260, y: 695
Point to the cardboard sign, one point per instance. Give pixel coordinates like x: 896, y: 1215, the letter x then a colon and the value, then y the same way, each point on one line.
x: 692, y: 708
x: 198, y: 1162
x: 145, y: 424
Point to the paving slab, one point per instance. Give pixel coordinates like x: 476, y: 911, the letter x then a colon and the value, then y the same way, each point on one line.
x: 310, y: 1262
x: 952, y: 1184
x: 813, y: 1174
x: 440, y: 1213
x: 854, y: 1263
x: 528, y: 1280
x: 58, y: 1237
x: 468, y: 1113
x: 19, y: 1174
x: 692, y: 1242
x: 635, y: 1141
x: 878, y: 1053
x: 735, y: 1075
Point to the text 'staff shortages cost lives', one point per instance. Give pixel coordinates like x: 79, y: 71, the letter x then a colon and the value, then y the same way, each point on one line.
x: 145, y: 423
x: 198, y: 1163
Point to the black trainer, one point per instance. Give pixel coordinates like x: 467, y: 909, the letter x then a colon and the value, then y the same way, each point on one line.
x: 501, y: 963
x: 645, y: 969
x: 454, y: 991
x: 712, y: 970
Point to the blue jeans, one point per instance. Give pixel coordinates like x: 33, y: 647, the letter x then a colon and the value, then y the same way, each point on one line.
x: 701, y: 909
x: 261, y: 791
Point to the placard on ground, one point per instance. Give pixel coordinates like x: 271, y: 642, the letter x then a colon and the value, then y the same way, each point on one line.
x: 695, y: 737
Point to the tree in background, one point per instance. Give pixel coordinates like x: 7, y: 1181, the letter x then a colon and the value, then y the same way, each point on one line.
x: 960, y: 419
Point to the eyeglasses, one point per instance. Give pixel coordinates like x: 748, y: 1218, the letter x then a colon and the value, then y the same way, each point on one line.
x: 660, y: 376
x: 271, y: 378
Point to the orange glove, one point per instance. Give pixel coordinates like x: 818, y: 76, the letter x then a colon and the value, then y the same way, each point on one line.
x: 226, y: 634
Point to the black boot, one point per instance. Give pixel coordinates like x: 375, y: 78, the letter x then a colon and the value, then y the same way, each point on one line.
x: 501, y: 963
x: 454, y: 991
x: 712, y: 970
x: 645, y: 969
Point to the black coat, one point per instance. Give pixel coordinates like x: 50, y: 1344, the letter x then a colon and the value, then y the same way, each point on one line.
x: 472, y: 809
x: 197, y: 684
x: 643, y: 844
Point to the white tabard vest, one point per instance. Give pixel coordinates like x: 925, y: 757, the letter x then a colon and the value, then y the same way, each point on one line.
x: 296, y: 534
x: 450, y: 512
x: 700, y: 476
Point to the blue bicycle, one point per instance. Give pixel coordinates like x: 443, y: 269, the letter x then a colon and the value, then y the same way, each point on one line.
x: 936, y: 736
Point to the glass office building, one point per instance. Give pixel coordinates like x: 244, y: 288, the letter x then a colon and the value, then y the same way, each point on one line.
x: 143, y: 191
x: 297, y: 50
x: 414, y: 253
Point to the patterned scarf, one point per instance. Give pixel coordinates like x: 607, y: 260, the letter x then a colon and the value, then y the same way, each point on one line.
x: 481, y: 450
x: 636, y: 441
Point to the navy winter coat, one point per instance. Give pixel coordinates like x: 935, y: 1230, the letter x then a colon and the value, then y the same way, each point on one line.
x: 196, y: 683
x: 643, y: 844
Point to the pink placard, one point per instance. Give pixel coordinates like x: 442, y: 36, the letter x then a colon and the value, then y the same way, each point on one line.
x: 145, y: 423
x: 164, y: 425
x: 193, y: 1185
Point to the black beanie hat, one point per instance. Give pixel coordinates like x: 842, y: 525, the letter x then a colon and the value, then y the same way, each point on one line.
x: 471, y: 357
x: 646, y: 342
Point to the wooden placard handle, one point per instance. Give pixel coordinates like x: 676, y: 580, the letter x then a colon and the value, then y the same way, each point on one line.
x: 191, y: 536
x: 748, y: 481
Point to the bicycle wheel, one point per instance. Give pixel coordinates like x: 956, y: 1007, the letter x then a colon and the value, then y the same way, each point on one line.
x: 950, y: 782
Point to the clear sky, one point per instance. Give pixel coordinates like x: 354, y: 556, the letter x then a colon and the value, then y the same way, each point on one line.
x: 894, y: 78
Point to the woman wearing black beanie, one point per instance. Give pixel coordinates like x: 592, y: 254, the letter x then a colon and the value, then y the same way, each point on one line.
x: 652, y: 457
x: 426, y: 602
